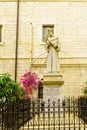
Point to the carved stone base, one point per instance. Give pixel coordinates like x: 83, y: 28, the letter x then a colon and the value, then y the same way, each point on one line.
x: 52, y: 86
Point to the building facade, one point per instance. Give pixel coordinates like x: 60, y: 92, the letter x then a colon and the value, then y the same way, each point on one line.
x: 26, y: 34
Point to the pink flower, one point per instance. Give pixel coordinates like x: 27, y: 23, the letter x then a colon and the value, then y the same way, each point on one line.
x: 29, y: 81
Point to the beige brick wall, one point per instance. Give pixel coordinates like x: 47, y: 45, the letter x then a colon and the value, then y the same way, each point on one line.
x: 69, y: 19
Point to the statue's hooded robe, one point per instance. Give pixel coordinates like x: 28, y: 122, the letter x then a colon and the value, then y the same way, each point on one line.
x: 52, y: 47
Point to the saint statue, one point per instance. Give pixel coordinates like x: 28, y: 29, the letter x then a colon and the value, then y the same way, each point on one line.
x: 52, y: 47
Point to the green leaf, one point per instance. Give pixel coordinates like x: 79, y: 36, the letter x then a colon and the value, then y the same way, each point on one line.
x: 10, y: 89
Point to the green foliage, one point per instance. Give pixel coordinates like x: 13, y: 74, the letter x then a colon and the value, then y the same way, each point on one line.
x: 9, y: 89
x: 86, y: 82
x: 85, y: 91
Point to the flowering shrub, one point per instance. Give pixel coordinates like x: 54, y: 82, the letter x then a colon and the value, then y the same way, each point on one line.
x: 29, y: 81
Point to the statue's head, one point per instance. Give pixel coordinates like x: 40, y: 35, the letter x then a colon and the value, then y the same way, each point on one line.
x: 50, y: 32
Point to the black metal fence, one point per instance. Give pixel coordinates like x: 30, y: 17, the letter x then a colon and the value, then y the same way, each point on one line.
x: 66, y: 114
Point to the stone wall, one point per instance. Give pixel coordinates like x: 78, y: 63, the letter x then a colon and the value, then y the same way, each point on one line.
x: 69, y: 19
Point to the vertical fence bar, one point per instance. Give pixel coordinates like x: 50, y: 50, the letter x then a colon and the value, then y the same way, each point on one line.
x: 54, y: 115
x: 69, y: 112
x: 13, y: 116
x: 74, y: 112
x: 59, y: 114
x: 0, y: 115
x: 48, y: 114
x: 43, y: 116
x: 33, y: 110
x: 28, y: 112
x: 18, y: 115
x: 2, y: 111
x: 38, y: 114
x: 23, y: 112
x: 79, y: 123
x: 79, y: 110
x: 64, y: 106
x: 82, y: 105
x: 8, y: 115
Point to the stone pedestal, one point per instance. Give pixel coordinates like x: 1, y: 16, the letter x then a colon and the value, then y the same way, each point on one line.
x: 52, y: 86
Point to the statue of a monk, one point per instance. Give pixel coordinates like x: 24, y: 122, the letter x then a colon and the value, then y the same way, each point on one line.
x: 52, y: 46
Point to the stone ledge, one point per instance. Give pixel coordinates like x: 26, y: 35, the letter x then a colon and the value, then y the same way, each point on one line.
x: 52, y: 82
x: 53, y: 79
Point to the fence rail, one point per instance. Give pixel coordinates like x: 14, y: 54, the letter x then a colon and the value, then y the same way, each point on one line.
x: 67, y: 114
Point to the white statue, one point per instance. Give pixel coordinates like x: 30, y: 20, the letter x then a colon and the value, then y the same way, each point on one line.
x: 52, y: 46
